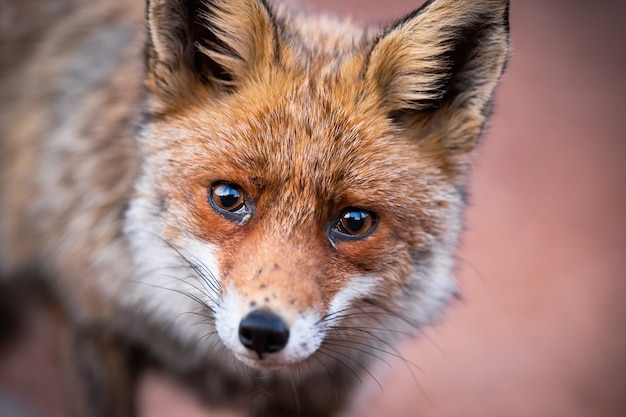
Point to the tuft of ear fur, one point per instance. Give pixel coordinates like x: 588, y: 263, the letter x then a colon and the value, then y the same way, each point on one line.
x: 447, y: 57
x: 205, y: 43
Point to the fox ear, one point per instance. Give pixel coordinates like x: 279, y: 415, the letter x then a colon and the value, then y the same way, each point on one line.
x: 445, y: 57
x: 216, y: 43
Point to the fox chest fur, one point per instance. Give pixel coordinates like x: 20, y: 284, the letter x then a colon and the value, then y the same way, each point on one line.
x: 261, y: 201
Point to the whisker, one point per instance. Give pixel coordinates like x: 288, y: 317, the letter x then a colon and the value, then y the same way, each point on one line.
x: 322, y: 352
x: 198, y: 267
x: 359, y: 364
x: 191, y: 296
x: 332, y: 342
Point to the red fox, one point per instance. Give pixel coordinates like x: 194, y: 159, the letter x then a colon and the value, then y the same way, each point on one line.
x: 262, y: 205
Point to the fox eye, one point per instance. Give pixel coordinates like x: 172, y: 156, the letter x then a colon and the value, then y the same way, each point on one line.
x: 354, y: 223
x: 229, y: 200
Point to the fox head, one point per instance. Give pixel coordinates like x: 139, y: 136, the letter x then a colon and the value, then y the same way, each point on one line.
x: 303, y: 180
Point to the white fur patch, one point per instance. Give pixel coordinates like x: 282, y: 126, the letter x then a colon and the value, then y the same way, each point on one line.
x: 227, y: 318
x: 358, y: 287
x: 167, y: 287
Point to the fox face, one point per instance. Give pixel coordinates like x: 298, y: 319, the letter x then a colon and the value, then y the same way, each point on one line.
x: 303, y: 183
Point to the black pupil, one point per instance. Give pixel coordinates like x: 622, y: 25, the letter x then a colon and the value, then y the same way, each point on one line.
x: 229, y: 196
x: 354, y: 221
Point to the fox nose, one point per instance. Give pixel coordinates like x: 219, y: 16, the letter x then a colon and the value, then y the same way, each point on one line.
x: 263, y: 332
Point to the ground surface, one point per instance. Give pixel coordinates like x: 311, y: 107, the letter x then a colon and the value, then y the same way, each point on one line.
x: 542, y: 328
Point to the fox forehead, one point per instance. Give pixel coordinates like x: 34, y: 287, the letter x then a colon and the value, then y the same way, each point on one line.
x: 292, y: 135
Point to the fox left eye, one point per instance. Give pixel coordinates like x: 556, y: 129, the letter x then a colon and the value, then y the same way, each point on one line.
x: 354, y: 223
x: 229, y: 201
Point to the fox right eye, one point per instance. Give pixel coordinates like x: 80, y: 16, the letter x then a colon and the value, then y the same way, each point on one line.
x: 229, y: 200
x: 353, y: 224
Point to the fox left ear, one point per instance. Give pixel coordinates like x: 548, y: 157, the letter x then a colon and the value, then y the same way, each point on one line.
x: 442, y: 62
x: 211, y: 45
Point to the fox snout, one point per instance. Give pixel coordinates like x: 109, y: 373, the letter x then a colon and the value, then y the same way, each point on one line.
x: 269, y: 314
x: 267, y: 337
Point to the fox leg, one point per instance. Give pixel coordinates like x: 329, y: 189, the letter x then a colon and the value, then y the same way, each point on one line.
x: 100, y: 374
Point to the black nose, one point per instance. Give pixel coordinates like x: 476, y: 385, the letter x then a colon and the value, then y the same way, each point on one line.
x: 263, y: 332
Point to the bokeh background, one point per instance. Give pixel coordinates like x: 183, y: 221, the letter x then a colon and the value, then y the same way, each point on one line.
x: 541, y: 329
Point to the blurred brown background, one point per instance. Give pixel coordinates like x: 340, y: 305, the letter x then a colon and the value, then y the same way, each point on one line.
x: 541, y: 331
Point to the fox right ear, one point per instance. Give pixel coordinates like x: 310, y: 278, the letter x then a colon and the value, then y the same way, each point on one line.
x: 443, y: 60
x: 210, y: 44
